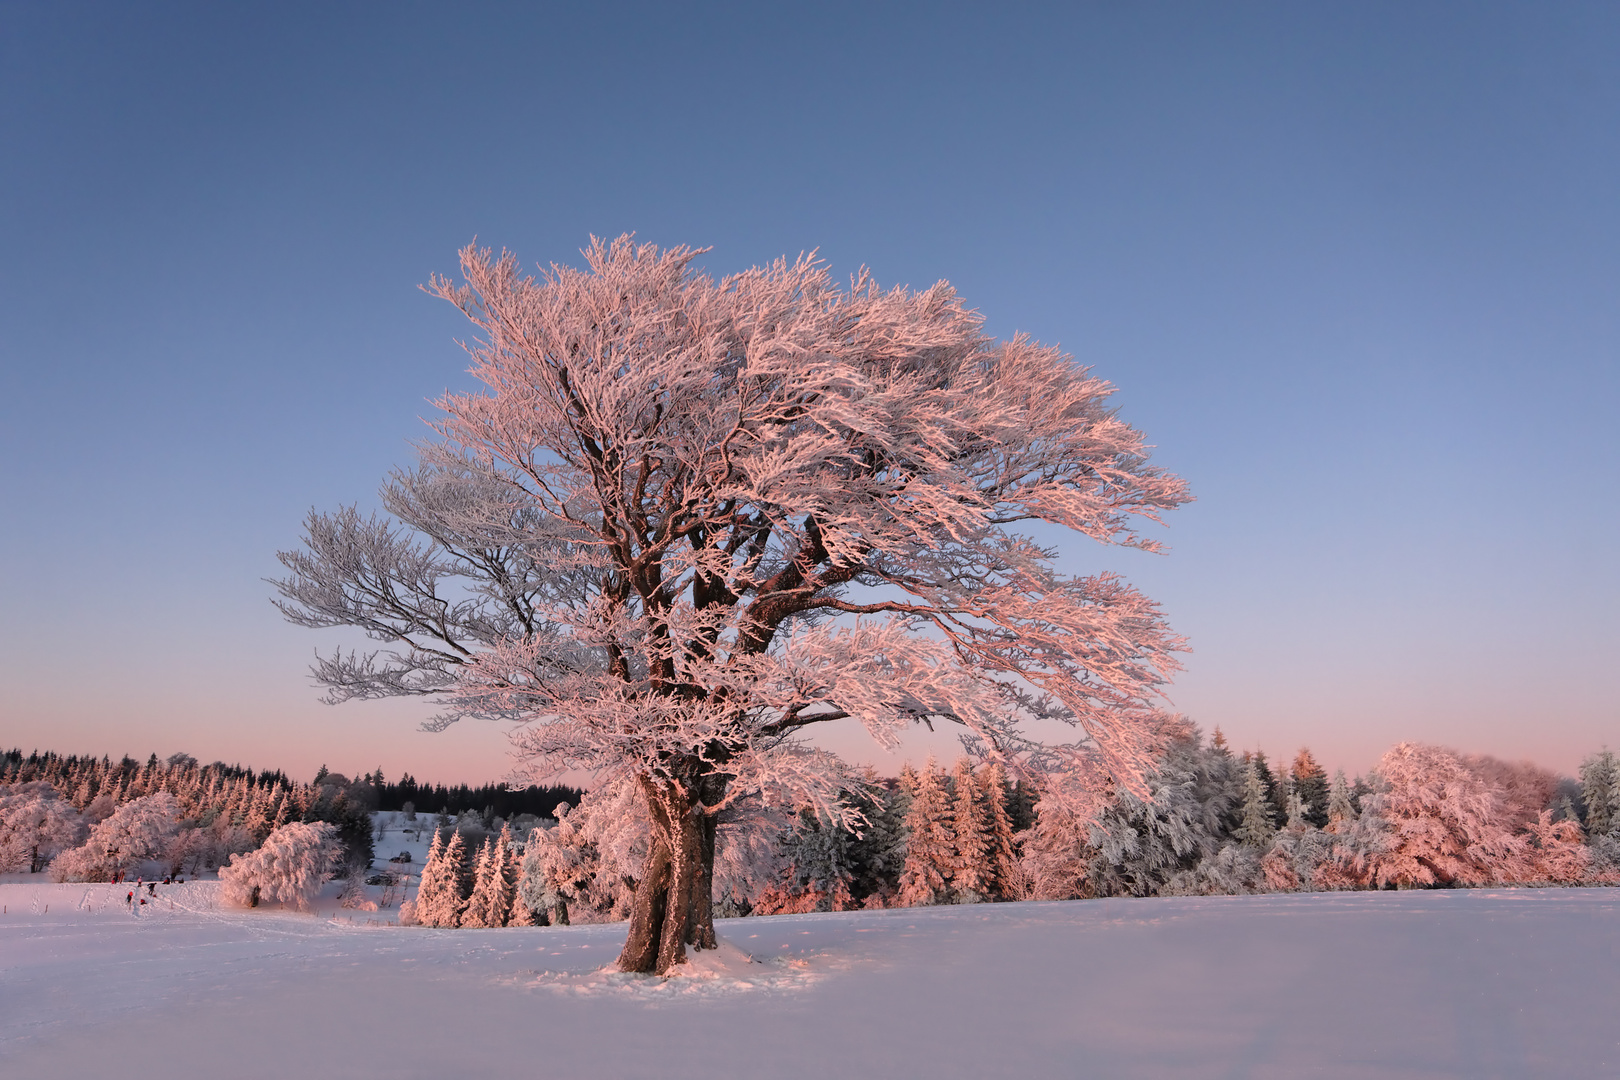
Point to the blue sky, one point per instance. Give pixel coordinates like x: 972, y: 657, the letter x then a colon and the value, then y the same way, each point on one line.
x: 1355, y: 269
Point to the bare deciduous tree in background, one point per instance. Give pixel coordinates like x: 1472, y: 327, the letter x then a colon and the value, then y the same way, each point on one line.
x: 688, y: 519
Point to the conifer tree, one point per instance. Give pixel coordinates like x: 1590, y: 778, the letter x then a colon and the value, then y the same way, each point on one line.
x: 1340, y: 810
x: 1021, y: 805
x: 1360, y: 788
x: 1600, y: 791
x: 1269, y: 782
x: 1057, y: 857
x: 520, y: 913
x: 494, y: 883
x: 506, y: 886
x: 439, y: 897
x: 1006, y: 879
x: 478, y: 911
x: 1296, y: 812
x: 818, y: 871
x: 1311, y: 784
x: 1255, y: 822
x: 878, y: 854
x: 930, y: 850
x: 972, y: 877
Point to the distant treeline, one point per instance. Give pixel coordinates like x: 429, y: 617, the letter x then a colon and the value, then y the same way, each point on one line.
x: 16, y: 767
x: 491, y: 800
x: 501, y: 799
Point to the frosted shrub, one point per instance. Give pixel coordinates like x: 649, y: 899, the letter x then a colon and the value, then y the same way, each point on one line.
x: 585, y: 869
x: 1233, y: 870
x: 295, y: 861
x: 1558, y: 854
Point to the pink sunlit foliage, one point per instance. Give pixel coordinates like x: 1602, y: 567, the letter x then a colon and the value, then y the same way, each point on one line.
x: 1556, y: 852
x: 290, y: 867
x: 688, y: 519
x: 1524, y: 787
x: 36, y: 825
x: 138, y: 832
x: 1435, y: 822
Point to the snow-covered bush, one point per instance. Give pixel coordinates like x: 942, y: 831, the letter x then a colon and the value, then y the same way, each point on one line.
x: 584, y: 870
x: 36, y: 825
x: 1556, y: 852
x: 138, y: 832
x: 1232, y: 871
x: 294, y: 862
x: 1140, y: 844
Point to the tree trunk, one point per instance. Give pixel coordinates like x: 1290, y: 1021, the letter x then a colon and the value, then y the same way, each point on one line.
x: 673, y: 905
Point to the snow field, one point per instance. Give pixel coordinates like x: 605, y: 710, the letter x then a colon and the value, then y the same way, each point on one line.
x: 1501, y: 983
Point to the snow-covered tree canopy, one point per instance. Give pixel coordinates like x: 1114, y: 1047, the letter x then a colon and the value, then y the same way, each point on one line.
x: 690, y: 518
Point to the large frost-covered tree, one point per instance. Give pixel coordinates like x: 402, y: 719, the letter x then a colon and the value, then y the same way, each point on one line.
x: 689, y: 519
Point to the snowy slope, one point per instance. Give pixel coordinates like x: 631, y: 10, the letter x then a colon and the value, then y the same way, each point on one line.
x: 1422, y: 984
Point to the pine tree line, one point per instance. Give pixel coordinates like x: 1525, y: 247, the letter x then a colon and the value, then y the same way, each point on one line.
x: 1217, y: 822
x: 490, y: 800
x: 207, y: 813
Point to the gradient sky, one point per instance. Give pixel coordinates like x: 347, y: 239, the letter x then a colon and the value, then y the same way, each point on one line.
x: 1355, y: 269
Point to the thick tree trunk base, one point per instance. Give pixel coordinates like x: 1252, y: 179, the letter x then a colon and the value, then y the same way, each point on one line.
x: 673, y: 906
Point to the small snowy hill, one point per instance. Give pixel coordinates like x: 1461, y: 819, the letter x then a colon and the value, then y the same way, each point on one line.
x: 1501, y: 983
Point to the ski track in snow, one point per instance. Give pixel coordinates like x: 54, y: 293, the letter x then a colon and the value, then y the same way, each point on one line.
x: 1477, y: 983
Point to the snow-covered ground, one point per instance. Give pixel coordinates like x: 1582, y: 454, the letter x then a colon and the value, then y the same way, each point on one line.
x: 1487, y: 983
